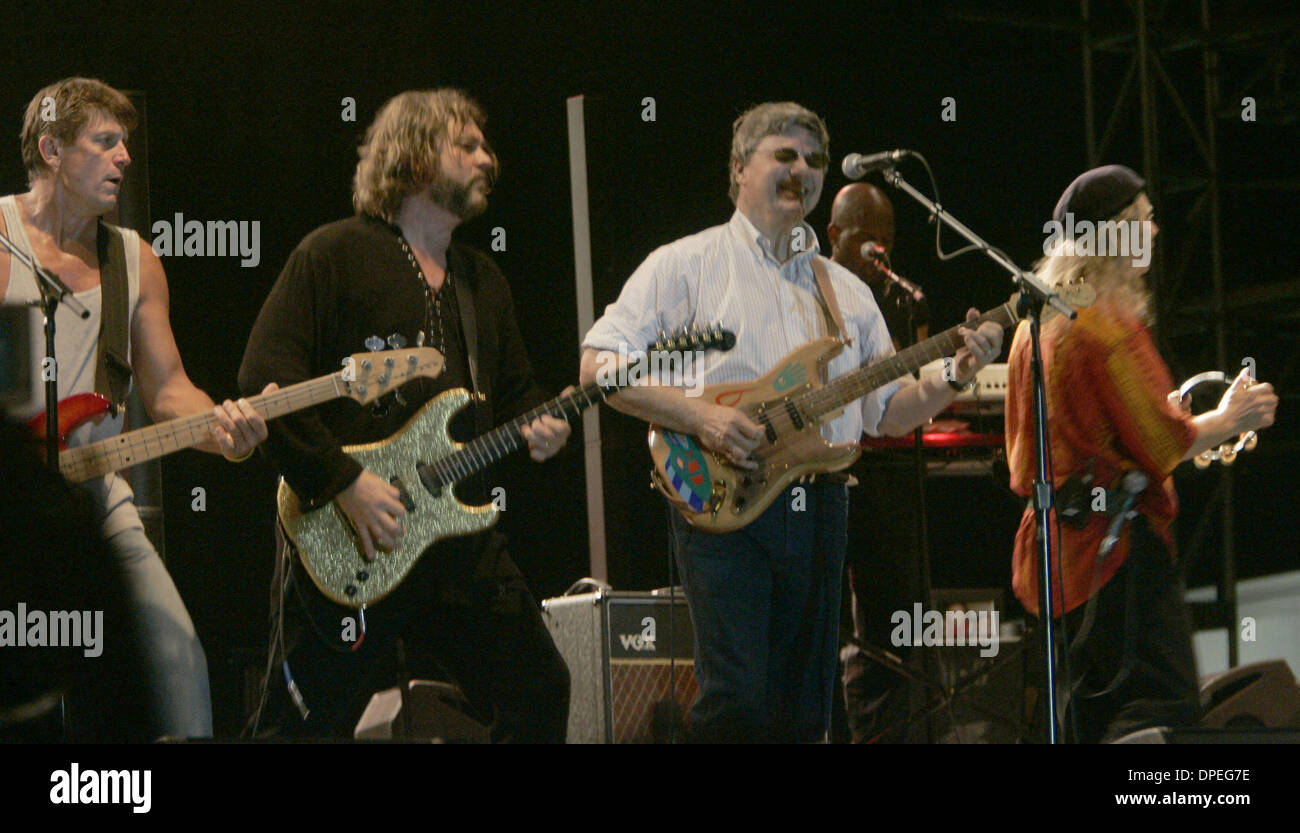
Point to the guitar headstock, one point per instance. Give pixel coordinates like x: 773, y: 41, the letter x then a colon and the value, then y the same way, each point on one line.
x: 368, y: 376
x: 709, y: 337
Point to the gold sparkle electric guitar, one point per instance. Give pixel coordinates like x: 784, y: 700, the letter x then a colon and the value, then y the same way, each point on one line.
x: 425, y: 464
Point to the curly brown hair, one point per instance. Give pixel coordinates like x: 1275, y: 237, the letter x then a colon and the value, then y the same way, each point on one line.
x: 400, y: 154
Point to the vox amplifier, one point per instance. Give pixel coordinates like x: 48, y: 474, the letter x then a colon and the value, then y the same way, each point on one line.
x: 631, y: 666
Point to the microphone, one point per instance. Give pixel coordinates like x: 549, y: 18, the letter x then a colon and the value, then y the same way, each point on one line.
x: 875, y: 253
x: 856, y: 166
x: 1132, y: 485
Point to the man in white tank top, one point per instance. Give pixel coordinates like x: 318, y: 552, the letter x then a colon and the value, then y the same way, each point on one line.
x: 74, y: 148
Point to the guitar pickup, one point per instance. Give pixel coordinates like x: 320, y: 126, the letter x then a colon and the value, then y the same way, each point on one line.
x: 402, y: 494
x: 795, y: 417
x: 429, y: 479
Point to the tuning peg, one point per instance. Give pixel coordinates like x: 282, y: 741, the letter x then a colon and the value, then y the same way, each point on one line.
x: 397, y: 341
x: 374, y: 344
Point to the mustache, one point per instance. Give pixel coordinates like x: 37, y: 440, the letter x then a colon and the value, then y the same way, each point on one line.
x: 796, y: 184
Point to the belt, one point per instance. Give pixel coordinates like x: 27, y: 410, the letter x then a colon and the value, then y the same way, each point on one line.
x: 1075, y: 499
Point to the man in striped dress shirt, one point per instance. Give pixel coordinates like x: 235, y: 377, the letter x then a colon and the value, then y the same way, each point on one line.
x: 764, y: 599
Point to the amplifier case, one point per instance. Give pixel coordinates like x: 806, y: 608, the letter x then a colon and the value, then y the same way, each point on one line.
x: 626, y: 656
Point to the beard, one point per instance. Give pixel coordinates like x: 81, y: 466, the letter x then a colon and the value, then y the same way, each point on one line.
x: 465, y: 201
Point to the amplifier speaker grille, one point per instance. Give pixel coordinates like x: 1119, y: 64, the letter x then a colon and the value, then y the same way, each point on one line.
x: 632, y: 674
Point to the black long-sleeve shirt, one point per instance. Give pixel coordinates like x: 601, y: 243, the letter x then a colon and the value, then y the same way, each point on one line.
x: 350, y: 280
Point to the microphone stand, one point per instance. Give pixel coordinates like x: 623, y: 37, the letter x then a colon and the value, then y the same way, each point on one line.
x: 912, y: 294
x: 1033, y: 295
x: 53, y: 290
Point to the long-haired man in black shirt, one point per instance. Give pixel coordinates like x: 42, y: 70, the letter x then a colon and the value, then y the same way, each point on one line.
x: 394, y: 272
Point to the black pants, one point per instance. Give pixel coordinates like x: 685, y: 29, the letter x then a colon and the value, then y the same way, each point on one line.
x: 464, y: 606
x: 884, y: 576
x: 1135, y: 668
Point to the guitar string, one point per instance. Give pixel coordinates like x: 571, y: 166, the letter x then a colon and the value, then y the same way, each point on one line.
x: 507, y: 438
x: 118, y: 452
x: 812, y: 404
x: 484, y: 450
x: 828, y: 397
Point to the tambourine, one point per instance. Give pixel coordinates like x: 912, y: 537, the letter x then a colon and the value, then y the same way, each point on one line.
x: 1227, y: 452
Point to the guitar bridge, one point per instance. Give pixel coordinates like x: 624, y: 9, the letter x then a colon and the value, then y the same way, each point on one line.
x: 718, y: 497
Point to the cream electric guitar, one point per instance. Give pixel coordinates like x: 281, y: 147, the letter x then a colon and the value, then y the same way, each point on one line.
x: 425, y: 464
x: 365, y: 377
x: 790, y: 402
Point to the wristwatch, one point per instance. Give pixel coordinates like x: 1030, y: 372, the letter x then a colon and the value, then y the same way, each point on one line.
x: 959, y: 386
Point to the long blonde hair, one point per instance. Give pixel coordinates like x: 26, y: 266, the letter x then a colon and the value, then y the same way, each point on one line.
x: 1109, y: 275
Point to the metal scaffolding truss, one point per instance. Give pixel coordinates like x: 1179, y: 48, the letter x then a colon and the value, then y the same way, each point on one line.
x: 1175, y: 78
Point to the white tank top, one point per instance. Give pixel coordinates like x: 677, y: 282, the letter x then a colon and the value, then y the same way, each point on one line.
x: 76, y: 343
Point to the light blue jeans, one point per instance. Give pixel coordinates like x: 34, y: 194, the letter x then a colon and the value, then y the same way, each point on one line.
x: 173, y: 658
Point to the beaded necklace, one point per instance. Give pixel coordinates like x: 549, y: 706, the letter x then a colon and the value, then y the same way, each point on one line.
x: 432, y: 300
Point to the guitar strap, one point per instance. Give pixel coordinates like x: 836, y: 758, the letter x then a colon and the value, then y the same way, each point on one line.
x: 469, y: 327
x: 112, y: 363
x: 830, y: 306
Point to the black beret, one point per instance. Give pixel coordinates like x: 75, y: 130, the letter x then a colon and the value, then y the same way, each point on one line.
x: 1099, y: 194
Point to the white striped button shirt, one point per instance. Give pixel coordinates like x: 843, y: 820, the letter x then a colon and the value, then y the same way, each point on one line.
x: 727, y: 275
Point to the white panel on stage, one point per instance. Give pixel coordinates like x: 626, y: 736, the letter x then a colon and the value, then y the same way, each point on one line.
x: 1274, y: 603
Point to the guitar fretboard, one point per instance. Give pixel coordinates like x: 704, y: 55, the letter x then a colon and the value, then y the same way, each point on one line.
x: 135, y: 447
x: 485, y: 450
x: 843, y: 390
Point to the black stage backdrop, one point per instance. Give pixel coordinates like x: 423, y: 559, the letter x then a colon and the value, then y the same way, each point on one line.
x: 247, y: 122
